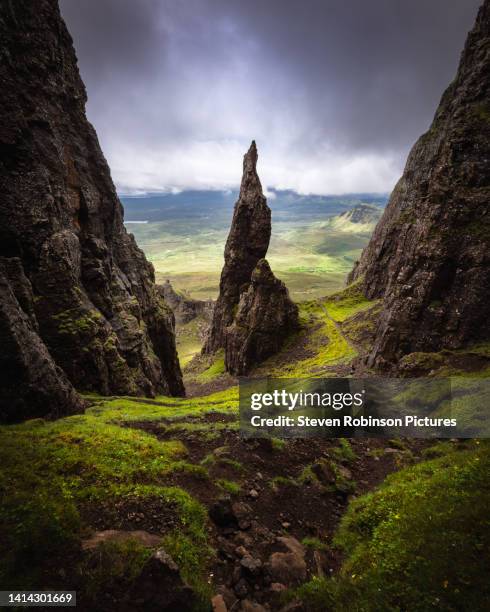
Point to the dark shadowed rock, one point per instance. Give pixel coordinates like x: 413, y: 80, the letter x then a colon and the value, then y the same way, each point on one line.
x: 429, y: 257
x: 31, y: 384
x: 247, y: 243
x: 253, y: 314
x: 160, y: 587
x: 94, y: 304
x: 222, y: 514
x: 264, y: 318
x: 184, y: 307
x: 288, y: 567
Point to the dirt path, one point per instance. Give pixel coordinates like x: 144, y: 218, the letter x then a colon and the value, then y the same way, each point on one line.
x: 259, y: 491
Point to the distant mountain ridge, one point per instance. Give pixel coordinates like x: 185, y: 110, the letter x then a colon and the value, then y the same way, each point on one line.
x: 361, y: 219
x: 363, y: 213
x: 217, y: 206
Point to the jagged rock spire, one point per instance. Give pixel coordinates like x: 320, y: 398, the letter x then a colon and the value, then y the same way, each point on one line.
x: 253, y: 314
x: 247, y: 243
x: 265, y: 317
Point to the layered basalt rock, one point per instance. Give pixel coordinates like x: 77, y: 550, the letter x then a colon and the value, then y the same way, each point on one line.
x: 94, y: 300
x: 247, y: 243
x: 253, y: 314
x: 265, y: 317
x: 429, y: 257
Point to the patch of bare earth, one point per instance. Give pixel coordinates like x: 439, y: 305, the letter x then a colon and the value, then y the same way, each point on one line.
x: 277, y: 499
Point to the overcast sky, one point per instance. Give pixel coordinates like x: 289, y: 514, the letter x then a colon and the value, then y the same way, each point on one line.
x: 335, y: 92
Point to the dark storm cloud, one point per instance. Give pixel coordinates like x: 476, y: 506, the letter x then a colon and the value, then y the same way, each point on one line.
x: 335, y: 91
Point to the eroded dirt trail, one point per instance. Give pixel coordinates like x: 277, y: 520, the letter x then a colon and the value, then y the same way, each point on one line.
x: 258, y: 492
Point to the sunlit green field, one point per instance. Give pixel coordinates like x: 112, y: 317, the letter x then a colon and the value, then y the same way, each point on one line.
x: 312, y: 259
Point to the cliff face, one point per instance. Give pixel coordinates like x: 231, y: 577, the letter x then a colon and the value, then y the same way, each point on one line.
x: 429, y: 257
x: 31, y: 384
x: 253, y: 313
x: 264, y: 318
x: 94, y: 307
x: 247, y: 243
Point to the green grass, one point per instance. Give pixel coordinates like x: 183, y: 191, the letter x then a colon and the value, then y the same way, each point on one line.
x: 314, y: 544
x: 189, y: 343
x: 50, y: 470
x: 344, y: 451
x: 278, y: 444
x: 282, y: 481
x: 419, y: 542
x: 344, y: 304
x: 326, y: 344
x: 229, y: 486
x: 216, y: 369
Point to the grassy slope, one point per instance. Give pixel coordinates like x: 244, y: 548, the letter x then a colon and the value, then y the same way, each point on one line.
x: 405, y: 536
x: 52, y: 471
x: 420, y: 542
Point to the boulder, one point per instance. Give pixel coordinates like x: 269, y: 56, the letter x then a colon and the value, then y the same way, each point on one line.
x: 289, y: 567
x: 160, y: 587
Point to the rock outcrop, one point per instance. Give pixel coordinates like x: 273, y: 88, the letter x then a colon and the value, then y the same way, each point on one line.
x: 429, y: 257
x: 265, y: 316
x: 251, y: 300
x: 31, y: 384
x: 184, y: 307
x: 247, y: 242
x: 161, y: 588
x: 94, y: 306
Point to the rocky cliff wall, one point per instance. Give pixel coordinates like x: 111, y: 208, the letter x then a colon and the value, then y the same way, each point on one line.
x: 184, y: 307
x: 94, y: 302
x: 429, y: 257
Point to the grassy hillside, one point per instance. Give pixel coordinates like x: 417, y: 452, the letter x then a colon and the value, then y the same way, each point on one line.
x: 312, y: 249
x: 416, y: 540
